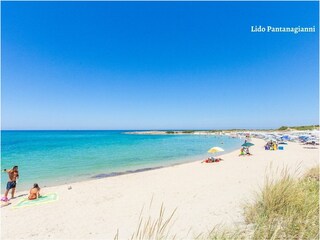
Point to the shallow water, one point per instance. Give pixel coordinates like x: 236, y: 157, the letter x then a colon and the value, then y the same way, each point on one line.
x: 56, y: 157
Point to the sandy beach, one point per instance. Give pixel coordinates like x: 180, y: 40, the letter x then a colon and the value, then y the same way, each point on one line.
x: 203, y: 194
x: 110, y: 109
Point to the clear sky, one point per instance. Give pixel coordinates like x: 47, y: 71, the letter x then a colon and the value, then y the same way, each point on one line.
x: 158, y: 65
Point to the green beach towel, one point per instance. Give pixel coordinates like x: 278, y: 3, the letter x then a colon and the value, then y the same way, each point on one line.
x: 47, y: 198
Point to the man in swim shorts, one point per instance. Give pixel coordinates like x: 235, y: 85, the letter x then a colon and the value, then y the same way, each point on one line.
x: 13, y: 175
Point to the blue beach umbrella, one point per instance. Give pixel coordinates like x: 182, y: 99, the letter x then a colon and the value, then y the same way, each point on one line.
x: 247, y: 144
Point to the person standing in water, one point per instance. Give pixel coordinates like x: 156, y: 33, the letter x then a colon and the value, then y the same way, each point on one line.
x: 13, y: 175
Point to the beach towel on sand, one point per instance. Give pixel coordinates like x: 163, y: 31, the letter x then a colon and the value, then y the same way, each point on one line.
x: 47, y: 198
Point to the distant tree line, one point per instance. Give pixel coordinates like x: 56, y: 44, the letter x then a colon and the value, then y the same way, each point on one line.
x: 301, y: 128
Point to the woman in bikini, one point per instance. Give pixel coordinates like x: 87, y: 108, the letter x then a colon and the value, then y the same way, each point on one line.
x: 34, y: 192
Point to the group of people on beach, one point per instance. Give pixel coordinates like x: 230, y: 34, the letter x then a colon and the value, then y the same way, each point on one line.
x: 244, y: 151
x: 13, y: 175
x: 211, y: 160
x: 271, y: 145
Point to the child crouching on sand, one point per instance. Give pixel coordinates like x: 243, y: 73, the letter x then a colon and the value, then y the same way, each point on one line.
x: 34, y: 192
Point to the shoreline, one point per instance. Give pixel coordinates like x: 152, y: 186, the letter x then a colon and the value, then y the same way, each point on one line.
x: 146, y: 169
x: 107, y: 154
x: 94, y: 177
x: 99, y: 176
x: 97, y: 208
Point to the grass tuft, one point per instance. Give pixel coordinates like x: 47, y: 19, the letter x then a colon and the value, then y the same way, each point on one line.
x: 313, y: 173
x: 287, y: 208
x: 218, y: 233
x: 155, y: 229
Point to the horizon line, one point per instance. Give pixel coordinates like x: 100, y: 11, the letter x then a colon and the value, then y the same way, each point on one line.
x: 181, y: 129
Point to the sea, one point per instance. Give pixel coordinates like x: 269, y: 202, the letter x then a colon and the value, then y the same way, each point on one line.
x: 52, y: 158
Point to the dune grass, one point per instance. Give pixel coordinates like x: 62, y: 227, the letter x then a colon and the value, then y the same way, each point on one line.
x: 313, y: 173
x: 155, y: 229
x: 287, y: 208
x: 218, y: 233
x: 150, y: 228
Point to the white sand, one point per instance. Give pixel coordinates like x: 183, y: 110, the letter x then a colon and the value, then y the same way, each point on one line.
x: 204, y: 194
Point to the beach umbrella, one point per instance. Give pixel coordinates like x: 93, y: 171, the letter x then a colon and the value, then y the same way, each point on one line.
x: 247, y: 144
x: 215, y: 150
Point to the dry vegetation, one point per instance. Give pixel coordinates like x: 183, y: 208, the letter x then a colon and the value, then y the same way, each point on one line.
x: 286, y: 208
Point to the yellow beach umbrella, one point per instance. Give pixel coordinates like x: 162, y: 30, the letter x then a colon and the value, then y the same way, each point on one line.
x: 215, y: 150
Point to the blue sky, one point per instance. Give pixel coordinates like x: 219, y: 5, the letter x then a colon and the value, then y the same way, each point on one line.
x: 157, y: 65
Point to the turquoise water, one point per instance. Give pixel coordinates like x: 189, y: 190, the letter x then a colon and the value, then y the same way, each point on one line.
x: 56, y: 157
